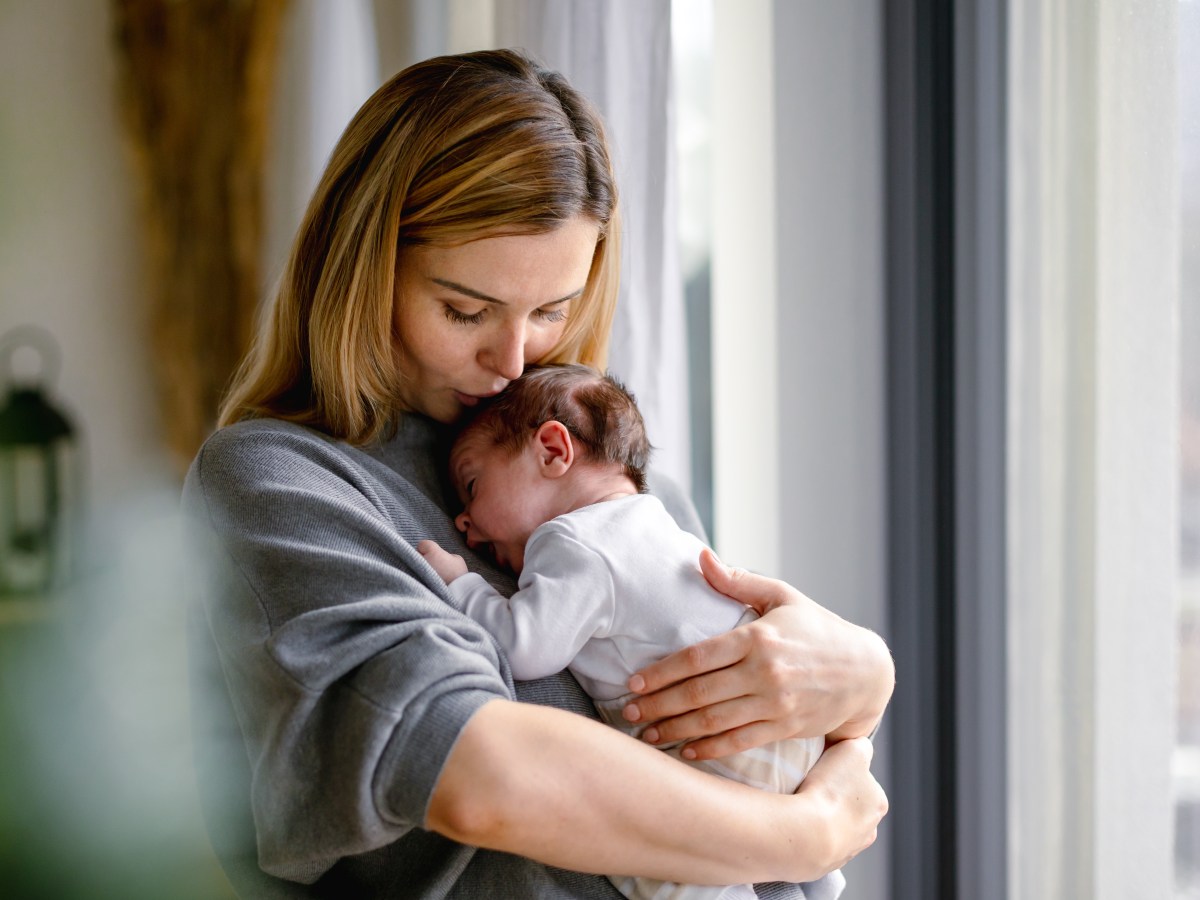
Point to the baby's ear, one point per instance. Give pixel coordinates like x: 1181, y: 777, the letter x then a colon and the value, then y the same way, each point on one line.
x: 555, y: 449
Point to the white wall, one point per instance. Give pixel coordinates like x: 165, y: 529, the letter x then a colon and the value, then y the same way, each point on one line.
x: 100, y: 708
x: 68, y: 247
x: 745, y: 383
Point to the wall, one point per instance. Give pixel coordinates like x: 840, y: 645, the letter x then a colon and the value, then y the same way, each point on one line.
x: 95, y: 766
x: 68, y: 254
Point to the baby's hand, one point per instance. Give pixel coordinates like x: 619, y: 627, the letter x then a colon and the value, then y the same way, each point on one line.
x: 448, y: 565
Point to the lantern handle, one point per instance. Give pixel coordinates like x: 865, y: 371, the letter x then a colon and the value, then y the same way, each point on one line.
x: 40, y: 341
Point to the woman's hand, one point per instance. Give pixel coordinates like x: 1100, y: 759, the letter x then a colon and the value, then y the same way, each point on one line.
x: 798, y: 671
x: 841, y: 784
x: 448, y: 565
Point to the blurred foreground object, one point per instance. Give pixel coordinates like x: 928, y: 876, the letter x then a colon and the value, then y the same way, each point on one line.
x: 39, y: 474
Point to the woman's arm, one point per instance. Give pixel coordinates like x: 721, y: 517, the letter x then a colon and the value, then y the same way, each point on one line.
x: 572, y: 793
x: 800, y: 670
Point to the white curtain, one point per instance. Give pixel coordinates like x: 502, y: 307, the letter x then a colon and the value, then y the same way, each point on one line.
x: 618, y: 53
x: 329, y: 65
x: 1093, y: 410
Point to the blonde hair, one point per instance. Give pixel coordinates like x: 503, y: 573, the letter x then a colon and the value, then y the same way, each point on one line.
x: 449, y: 150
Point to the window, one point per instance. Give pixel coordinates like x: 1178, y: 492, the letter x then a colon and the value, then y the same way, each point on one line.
x: 1186, y: 762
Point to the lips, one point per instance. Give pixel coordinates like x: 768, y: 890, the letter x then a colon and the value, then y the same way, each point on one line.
x: 473, y: 399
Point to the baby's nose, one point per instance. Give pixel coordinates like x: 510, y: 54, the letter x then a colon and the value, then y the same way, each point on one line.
x: 462, y: 522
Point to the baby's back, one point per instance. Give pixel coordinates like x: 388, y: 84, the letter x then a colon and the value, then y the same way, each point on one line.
x: 662, y: 601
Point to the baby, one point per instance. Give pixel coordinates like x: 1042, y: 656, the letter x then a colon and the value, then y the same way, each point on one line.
x: 552, y: 476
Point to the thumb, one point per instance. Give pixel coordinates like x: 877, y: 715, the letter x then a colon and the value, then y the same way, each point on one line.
x: 756, y: 591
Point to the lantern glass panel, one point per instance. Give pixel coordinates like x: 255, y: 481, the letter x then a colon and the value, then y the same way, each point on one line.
x: 35, y: 540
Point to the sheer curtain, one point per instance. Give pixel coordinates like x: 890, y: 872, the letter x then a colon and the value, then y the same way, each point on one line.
x: 1093, y: 309
x: 328, y: 66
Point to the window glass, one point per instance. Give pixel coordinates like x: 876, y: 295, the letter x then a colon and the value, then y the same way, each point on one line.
x: 1187, y: 752
x: 692, y: 39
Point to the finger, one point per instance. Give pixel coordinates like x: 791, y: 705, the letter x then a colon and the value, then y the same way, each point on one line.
x: 698, y: 659
x: 716, y: 573
x: 753, y: 734
x: 854, y: 753
x: 712, y: 719
x: 756, y: 591
x: 425, y: 548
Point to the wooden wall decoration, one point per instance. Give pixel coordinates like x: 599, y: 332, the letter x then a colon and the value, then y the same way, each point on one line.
x: 196, y: 79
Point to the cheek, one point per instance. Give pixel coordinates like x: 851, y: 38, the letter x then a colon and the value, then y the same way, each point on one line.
x: 430, y: 346
x: 543, y: 341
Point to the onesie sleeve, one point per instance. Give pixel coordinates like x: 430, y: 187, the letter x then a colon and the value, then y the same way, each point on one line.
x: 350, y: 674
x: 564, y: 598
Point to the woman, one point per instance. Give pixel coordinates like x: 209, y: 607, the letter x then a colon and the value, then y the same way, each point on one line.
x: 467, y: 225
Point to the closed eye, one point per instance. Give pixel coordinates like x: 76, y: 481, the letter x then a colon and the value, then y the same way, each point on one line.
x: 461, y: 318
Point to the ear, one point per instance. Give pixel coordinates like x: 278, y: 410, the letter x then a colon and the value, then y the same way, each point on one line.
x: 555, y: 449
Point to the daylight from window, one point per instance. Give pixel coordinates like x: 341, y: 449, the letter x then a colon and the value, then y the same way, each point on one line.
x: 1187, y: 752
x: 692, y: 49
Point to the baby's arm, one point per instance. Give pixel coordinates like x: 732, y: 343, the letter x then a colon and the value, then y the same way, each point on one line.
x: 564, y: 597
x: 448, y: 565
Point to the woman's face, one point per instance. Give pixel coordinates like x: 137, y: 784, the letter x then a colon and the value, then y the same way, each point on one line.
x: 470, y: 317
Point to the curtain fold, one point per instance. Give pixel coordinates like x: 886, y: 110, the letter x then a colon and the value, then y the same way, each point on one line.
x: 329, y: 66
x: 1093, y: 437
x: 195, y: 83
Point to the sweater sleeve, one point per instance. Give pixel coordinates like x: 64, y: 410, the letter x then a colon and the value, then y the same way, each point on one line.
x: 350, y: 674
x: 565, y: 597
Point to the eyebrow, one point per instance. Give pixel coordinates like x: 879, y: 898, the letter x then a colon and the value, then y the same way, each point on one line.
x: 477, y: 295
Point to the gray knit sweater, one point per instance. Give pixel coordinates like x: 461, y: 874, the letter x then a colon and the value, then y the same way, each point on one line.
x: 332, y: 673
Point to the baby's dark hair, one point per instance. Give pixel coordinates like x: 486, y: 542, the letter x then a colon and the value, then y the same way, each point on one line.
x: 596, y: 409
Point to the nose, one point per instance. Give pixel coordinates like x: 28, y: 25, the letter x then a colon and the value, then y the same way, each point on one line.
x: 505, y: 354
x: 463, y: 523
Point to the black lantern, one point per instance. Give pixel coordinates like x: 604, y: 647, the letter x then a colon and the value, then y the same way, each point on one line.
x: 37, y: 472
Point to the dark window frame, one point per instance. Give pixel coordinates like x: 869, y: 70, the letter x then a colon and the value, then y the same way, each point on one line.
x: 945, y: 134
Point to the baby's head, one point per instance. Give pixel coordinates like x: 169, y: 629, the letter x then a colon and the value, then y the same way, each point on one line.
x: 558, y: 438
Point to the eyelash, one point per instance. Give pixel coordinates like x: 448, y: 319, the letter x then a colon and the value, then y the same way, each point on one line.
x: 461, y: 318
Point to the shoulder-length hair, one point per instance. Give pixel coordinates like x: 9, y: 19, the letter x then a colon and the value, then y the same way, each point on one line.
x: 448, y: 151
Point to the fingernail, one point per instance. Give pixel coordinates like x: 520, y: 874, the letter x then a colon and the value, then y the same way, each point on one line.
x: 650, y: 735
x: 637, y: 684
x: 688, y: 753
x: 631, y: 713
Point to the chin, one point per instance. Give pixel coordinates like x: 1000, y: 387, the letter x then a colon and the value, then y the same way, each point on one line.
x: 447, y: 413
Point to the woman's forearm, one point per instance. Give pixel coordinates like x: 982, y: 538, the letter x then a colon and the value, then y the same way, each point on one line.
x: 572, y: 793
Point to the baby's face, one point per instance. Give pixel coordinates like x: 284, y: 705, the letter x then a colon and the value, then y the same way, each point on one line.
x: 504, y: 495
